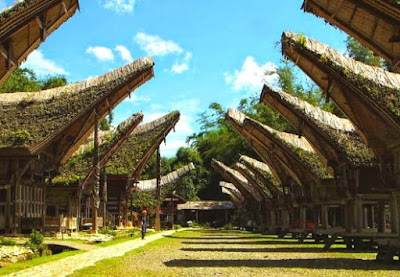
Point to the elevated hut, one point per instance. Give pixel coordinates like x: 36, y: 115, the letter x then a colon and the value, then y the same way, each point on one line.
x: 63, y: 199
x: 25, y: 25
x: 367, y: 95
x: 373, y: 22
x: 355, y: 166
x: 41, y: 130
x: 125, y: 166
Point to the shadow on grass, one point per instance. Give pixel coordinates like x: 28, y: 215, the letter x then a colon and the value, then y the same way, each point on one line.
x: 331, y: 263
x: 216, y: 237
x: 259, y: 242
x: 276, y: 250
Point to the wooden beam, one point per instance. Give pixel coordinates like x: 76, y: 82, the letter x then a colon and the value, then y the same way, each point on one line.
x: 5, y: 51
x: 64, y: 7
x: 335, y: 11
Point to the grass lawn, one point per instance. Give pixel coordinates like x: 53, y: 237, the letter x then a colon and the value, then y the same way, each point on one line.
x: 124, y: 239
x: 41, y: 260
x: 209, y: 253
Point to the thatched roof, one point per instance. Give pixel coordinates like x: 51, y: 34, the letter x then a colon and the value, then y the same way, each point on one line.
x: 368, y: 95
x: 279, y: 169
x: 334, y: 138
x: 373, y: 22
x: 25, y: 25
x: 236, y: 201
x: 206, y: 205
x: 133, y: 155
x: 79, y: 168
x: 295, y: 152
x: 254, y: 181
x: 263, y: 173
x: 236, y: 178
x: 172, y: 177
x: 230, y: 186
x: 57, y: 120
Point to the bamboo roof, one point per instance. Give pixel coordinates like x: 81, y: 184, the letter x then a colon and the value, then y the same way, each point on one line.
x: 254, y: 181
x: 231, y: 187
x: 293, y: 151
x: 58, y: 120
x: 368, y: 95
x: 206, y: 205
x: 334, y: 138
x: 170, y: 178
x: 280, y: 171
x: 133, y: 155
x: 236, y: 201
x: 263, y: 173
x: 25, y: 25
x: 236, y: 178
x: 80, y: 168
x: 373, y: 22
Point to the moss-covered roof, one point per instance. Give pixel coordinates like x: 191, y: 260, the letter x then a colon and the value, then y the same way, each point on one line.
x: 26, y: 24
x: 379, y: 86
x: 79, y: 166
x: 253, y: 180
x: 140, y: 145
x: 241, y: 183
x: 262, y: 169
x: 295, y: 146
x: 339, y: 131
x: 372, y: 22
x: 31, y: 119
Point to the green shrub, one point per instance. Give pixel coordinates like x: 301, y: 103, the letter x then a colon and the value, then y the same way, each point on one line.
x: 193, y: 224
x: 36, y: 238
x: 177, y: 227
x: 107, y: 231
x: 228, y: 226
x: 6, y: 241
x: 35, y: 243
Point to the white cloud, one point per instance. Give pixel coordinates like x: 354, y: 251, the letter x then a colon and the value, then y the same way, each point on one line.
x: 124, y: 53
x: 101, y: 53
x: 251, y: 76
x: 43, y: 66
x: 156, y: 46
x: 137, y: 99
x: 119, y: 6
x: 180, y: 67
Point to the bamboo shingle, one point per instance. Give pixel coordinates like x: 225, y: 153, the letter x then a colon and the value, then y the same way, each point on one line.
x: 369, y: 96
x: 335, y: 139
x: 241, y: 183
x: 172, y: 177
x: 373, y: 22
x: 25, y: 25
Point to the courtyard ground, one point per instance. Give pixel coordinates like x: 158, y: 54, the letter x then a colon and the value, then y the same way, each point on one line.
x: 234, y: 253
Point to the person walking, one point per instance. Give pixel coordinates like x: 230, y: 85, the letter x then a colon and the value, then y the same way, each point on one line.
x: 144, y: 223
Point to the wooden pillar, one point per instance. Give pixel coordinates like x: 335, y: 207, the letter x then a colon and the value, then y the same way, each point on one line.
x: 157, y: 223
x: 381, y: 217
x: 285, y: 218
x: 44, y: 191
x: 394, y: 214
x: 104, y: 196
x: 173, y: 213
x: 365, y: 217
x: 8, y: 209
x: 17, y: 200
x: 303, y: 219
x: 96, y: 165
x: 358, y: 214
x: 324, y: 215
x: 272, y: 220
x: 349, y: 216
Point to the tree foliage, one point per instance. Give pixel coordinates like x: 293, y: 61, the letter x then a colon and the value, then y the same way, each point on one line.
x: 25, y: 80
x: 361, y: 53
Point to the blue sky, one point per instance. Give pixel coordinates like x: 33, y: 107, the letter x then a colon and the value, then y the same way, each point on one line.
x: 204, y: 50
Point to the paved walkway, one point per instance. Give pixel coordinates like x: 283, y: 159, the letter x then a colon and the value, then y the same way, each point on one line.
x: 68, y: 265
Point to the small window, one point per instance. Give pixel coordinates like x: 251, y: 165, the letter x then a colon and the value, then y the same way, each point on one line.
x: 3, y: 195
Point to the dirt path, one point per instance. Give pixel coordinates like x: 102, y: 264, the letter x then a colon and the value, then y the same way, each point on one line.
x: 216, y: 253
x: 68, y: 265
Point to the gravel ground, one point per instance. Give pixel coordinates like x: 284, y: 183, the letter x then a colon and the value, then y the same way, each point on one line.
x: 219, y: 253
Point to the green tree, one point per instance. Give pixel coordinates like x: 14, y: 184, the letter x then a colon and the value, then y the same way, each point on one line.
x: 53, y: 82
x: 361, y: 53
x: 21, y: 80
